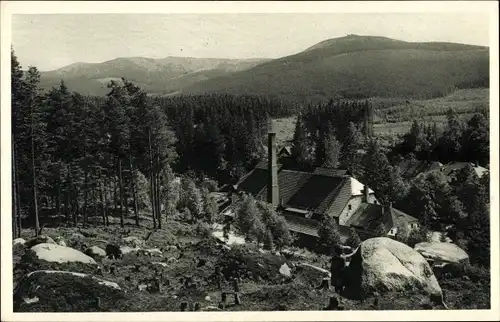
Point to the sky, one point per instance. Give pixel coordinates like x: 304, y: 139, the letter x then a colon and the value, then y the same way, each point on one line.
x: 51, y: 41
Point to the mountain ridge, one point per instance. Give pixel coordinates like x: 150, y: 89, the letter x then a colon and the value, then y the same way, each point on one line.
x: 349, y: 66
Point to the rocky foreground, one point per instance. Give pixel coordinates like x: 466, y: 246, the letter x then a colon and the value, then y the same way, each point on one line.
x: 174, y: 269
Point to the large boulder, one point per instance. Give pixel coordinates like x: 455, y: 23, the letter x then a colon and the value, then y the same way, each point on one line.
x: 384, y: 265
x: 39, y: 240
x: 60, y: 254
x: 439, y: 252
x: 95, y: 252
x: 63, y: 291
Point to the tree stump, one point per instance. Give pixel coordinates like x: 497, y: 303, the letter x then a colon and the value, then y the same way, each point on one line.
x: 197, y: 306
x: 184, y: 306
x: 224, y: 298
x: 237, y: 299
x: 236, y: 286
x: 97, y: 302
x: 334, y: 304
x: 325, y: 283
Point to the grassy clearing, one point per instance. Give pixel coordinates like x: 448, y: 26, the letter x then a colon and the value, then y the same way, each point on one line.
x: 397, y: 119
x: 284, y: 129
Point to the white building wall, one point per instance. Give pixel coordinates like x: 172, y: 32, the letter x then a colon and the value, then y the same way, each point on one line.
x: 354, y: 202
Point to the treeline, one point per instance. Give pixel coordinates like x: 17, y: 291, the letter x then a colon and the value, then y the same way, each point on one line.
x: 336, y: 135
x: 330, y: 134
x: 459, y: 141
x: 221, y: 136
x: 77, y: 156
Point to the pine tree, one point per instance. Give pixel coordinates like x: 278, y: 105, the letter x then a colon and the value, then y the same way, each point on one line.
x: 300, y: 147
x: 383, y: 178
x: 353, y: 240
x: 329, y: 235
x: 475, y: 140
x: 210, y: 208
x: 247, y: 217
x: 332, y: 151
x: 32, y: 81
x: 350, y: 146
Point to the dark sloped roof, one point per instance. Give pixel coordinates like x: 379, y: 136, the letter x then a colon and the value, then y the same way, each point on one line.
x: 253, y: 182
x: 342, y: 198
x: 330, y: 171
x: 411, y: 168
x: 310, y: 227
x: 301, y: 225
x: 297, y: 189
x: 399, y: 217
x: 369, y: 216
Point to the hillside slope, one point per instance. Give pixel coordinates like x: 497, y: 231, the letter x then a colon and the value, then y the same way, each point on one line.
x: 160, y: 76
x: 361, y: 66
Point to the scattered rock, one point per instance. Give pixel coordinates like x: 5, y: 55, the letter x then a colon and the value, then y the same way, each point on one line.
x: 134, y: 241
x: 322, y: 271
x: 18, y: 241
x: 61, y: 254
x: 39, y: 240
x: 95, y: 252
x: 285, y: 270
x: 160, y: 264
x: 172, y: 260
x: 31, y: 300
x: 62, y: 291
x: 170, y: 248
x: 60, y: 241
x: 382, y: 264
x: 76, y: 236
x: 152, y: 251
x: 142, y: 287
x: 207, y: 298
x: 127, y: 249
x: 442, y: 252
x: 210, y: 308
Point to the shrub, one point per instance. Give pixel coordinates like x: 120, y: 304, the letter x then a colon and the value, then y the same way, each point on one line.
x: 64, y: 293
x: 353, y: 240
x: 329, y: 235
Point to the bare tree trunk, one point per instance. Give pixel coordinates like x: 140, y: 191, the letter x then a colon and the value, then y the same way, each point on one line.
x: 103, y: 203
x: 125, y: 195
x: 122, y: 222
x: 151, y: 179
x: 15, y: 213
x: 35, y: 197
x: 132, y: 183
x: 85, y: 200
x: 157, y: 183
x: 58, y: 199
x: 66, y: 207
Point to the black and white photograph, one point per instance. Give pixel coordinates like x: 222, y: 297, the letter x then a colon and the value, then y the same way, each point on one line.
x: 227, y: 158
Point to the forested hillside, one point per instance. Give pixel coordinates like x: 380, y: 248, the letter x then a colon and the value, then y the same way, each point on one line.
x: 77, y: 151
x: 361, y: 67
x: 159, y: 76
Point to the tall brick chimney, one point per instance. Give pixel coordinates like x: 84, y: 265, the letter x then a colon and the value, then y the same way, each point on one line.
x: 366, y: 194
x: 272, y: 183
